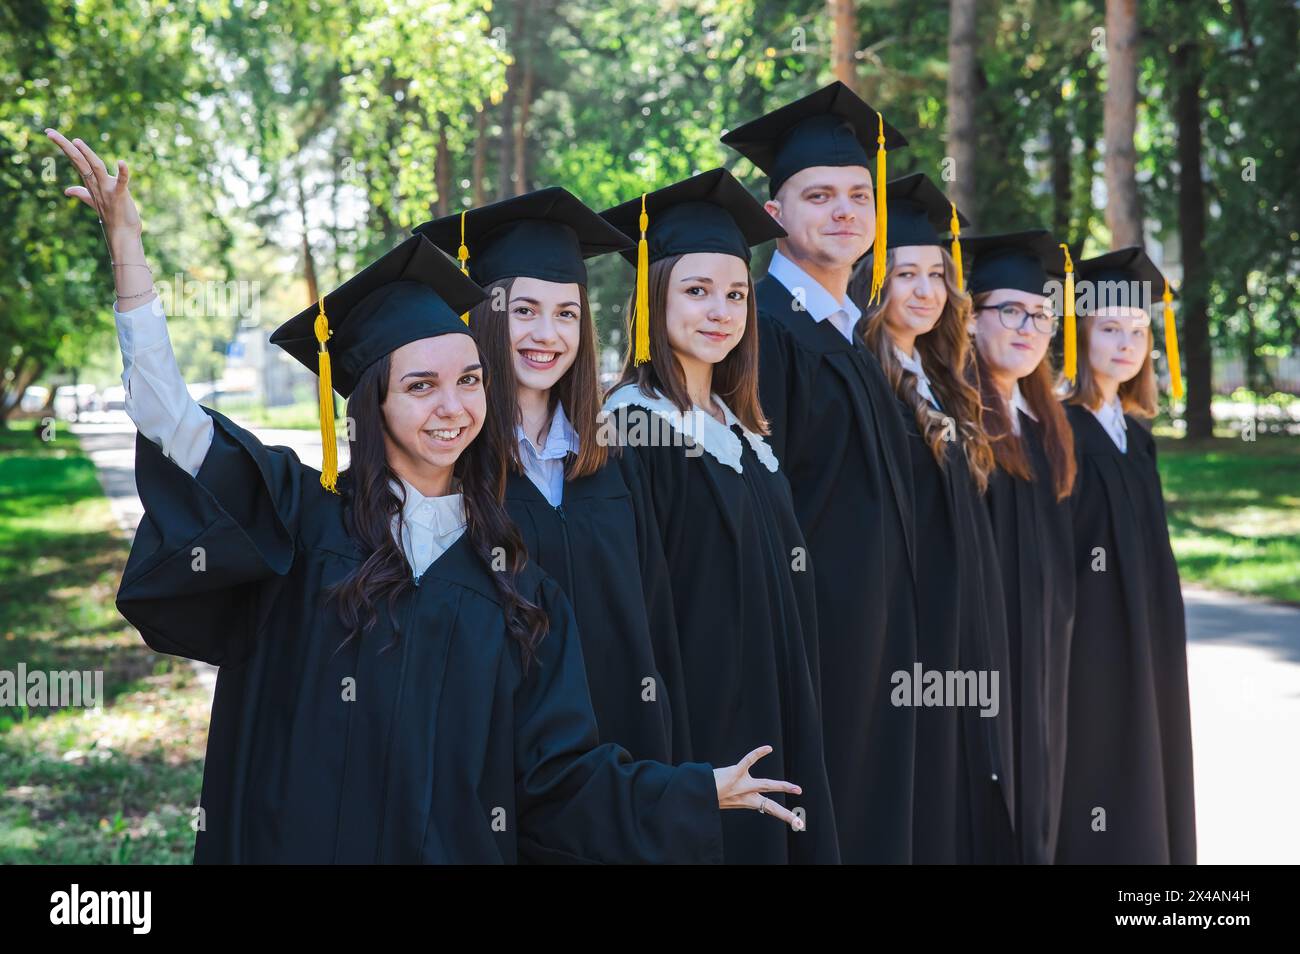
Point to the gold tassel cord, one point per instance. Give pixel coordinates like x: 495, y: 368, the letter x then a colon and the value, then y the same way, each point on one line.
x: 462, y: 253
x: 1071, y: 331
x: 882, y: 218
x: 641, y: 315
x: 329, y: 474
x: 1171, y: 346
x: 955, y: 227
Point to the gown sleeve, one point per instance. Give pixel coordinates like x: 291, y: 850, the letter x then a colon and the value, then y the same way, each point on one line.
x: 583, y: 802
x: 196, y: 582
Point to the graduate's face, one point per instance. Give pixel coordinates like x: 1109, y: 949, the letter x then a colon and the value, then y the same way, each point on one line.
x: 917, y: 291
x: 829, y: 213
x: 1118, y: 342
x: 545, y: 329
x: 1011, y: 354
x: 707, y: 295
x: 435, y: 406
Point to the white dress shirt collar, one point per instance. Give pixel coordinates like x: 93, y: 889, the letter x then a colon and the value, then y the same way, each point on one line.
x: 813, y: 297
x: 912, y: 363
x: 561, y: 438
x: 1111, y: 417
x: 1019, y: 405
x: 429, y: 525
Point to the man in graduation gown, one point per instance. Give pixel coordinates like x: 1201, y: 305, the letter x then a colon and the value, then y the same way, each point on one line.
x: 839, y: 436
x: 422, y: 739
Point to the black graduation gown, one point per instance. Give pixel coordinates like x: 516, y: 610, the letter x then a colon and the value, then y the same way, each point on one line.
x: 436, y: 749
x: 840, y: 439
x: 746, y: 625
x: 965, y: 794
x: 1129, y: 742
x: 1035, y: 542
x: 605, y: 555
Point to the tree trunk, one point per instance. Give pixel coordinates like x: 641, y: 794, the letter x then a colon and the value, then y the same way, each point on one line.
x: 1191, y: 228
x: 1058, y: 135
x: 521, y: 125
x: 844, y: 42
x: 442, y: 172
x: 308, y: 260
x: 962, y: 84
x: 1123, y: 217
x: 480, y: 156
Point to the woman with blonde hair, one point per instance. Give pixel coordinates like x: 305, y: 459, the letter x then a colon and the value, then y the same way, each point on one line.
x: 1128, y: 764
x: 917, y: 329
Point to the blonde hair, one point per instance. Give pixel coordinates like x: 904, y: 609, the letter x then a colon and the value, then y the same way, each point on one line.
x: 1137, y: 395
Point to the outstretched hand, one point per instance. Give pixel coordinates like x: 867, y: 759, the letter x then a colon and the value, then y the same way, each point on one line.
x: 736, y: 789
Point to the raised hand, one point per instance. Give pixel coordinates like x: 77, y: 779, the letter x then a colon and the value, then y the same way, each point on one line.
x: 736, y: 789
x: 110, y: 197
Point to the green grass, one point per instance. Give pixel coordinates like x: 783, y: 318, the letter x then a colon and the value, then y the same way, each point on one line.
x: 82, y: 786
x: 302, y: 415
x: 1234, y: 513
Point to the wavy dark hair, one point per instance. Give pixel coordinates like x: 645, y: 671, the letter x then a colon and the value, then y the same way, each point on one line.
x: 948, y: 356
x: 370, y: 504
x: 578, y: 391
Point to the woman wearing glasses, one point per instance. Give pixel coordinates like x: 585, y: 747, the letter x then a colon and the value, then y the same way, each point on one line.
x: 1028, y: 502
x: 963, y: 799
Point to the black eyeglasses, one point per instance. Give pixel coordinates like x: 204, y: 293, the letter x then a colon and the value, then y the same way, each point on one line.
x: 1013, y: 318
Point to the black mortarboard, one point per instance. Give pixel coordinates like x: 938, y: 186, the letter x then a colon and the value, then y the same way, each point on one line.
x: 545, y: 234
x: 919, y: 212
x: 1126, y: 266
x: 709, y: 212
x: 1025, y: 261
x: 413, y: 291
x: 831, y: 127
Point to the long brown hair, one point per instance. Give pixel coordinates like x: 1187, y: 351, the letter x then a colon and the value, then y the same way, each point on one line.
x: 1039, y: 393
x: 370, y: 503
x: 735, y: 377
x: 948, y: 357
x: 1137, y: 395
x: 578, y: 391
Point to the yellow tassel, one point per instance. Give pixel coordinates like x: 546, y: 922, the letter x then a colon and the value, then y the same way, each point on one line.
x: 1171, y: 346
x: 329, y: 473
x: 955, y: 227
x: 641, y: 317
x: 1071, y: 332
x: 462, y: 253
x: 882, y: 218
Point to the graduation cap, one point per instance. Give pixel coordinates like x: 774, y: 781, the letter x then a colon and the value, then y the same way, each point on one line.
x: 413, y: 291
x: 919, y: 212
x: 710, y: 212
x: 1132, y: 264
x: 831, y: 127
x: 1026, y: 261
x: 545, y: 234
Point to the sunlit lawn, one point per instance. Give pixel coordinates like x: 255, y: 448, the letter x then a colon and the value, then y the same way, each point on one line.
x: 1234, y: 513
x: 115, y: 784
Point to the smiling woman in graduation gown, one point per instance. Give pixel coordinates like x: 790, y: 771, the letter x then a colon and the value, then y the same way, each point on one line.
x: 741, y: 580
x: 836, y: 428
x: 1029, y: 504
x: 917, y: 330
x: 1128, y: 781
x: 577, y: 518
